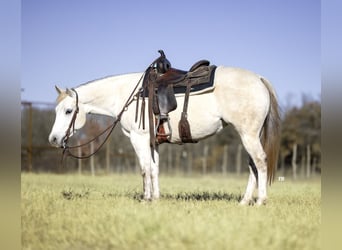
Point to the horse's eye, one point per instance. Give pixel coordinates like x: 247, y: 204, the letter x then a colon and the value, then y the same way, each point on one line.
x: 68, y: 111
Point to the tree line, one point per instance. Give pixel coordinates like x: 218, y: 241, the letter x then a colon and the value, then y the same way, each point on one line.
x: 300, y: 151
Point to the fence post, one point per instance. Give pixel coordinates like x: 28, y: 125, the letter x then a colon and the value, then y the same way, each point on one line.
x: 294, y: 163
x: 108, y: 156
x: 79, y: 160
x: 238, y: 159
x: 92, y: 163
x: 204, y: 159
x: 189, y: 167
x: 30, y: 147
x: 177, y: 161
x: 225, y: 160
x: 308, y: 161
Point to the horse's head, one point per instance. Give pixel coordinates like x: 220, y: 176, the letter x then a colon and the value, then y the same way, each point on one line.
x: 66, y: 118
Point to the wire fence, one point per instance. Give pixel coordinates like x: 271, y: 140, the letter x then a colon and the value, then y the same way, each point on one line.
x: 117, y: 156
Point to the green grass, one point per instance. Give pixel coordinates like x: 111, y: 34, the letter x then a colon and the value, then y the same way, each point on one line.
x: 105, y: 212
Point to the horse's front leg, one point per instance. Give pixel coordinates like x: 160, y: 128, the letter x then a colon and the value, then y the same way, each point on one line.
x: 147, y: 184
x: 149, y: 168
x: 155, y: 174
x: 150, y: 173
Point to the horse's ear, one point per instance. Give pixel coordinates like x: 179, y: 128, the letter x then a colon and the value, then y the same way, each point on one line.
x: 69, y: 92
x: 59, y: 91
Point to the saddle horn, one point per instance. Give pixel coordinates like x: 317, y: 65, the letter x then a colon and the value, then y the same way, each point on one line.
x: 162, y: 63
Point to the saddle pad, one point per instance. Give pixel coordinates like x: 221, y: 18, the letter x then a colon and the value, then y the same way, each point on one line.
x: 197, y: 89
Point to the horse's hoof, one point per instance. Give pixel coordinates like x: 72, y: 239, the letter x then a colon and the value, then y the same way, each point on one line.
x: 244, y: 202
x: 146, y: 198
x: 261, y: 202
x: 155, y: 197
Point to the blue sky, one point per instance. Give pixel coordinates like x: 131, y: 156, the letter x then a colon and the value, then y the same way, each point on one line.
x: 69, y: 42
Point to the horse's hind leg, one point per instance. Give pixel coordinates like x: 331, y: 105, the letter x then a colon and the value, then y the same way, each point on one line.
x: 252, y: 183
x: 259, y: 177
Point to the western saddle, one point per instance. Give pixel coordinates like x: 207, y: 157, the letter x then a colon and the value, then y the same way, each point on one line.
x: 160, y: 83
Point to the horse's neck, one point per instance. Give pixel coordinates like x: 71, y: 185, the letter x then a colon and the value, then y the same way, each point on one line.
x: 108, y: 95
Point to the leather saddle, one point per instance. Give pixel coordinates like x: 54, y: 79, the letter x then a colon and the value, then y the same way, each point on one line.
x: 160, y: 84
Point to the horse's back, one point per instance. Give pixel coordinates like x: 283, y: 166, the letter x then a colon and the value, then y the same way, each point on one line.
x: 240, y: 85
x: 237, y: 78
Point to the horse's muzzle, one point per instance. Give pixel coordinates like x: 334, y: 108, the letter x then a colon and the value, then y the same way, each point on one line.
x: 55, y: 141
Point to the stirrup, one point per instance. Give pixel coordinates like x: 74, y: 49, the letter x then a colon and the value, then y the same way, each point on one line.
x: 161, y: 118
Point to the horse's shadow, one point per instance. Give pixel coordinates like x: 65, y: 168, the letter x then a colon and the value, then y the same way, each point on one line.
x: 180, y: 196
x: 195, y: 196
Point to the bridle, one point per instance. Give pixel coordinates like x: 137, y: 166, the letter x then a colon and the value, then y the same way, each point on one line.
x: 110, y: 128
x: 72, y: 122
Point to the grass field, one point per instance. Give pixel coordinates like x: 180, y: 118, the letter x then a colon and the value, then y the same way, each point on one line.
x: 105, y: 212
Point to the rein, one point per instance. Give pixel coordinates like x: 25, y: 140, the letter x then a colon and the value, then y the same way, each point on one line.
x: 66, y: 148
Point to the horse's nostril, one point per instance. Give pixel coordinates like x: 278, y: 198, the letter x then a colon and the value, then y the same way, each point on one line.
x: 53, y: 140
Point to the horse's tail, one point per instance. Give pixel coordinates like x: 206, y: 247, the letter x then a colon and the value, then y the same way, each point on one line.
x: 270, y: 135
